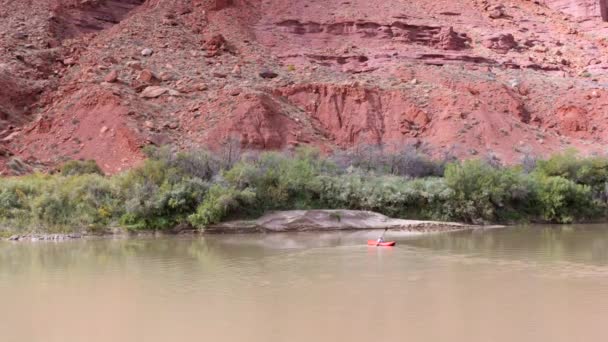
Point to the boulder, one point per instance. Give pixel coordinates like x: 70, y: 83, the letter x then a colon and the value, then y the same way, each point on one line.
x: 215, y: 45
x: 148, y: 77
x: 111, y: 77
x: 147, y: 52
x: 496, y: 11
x: 135, y: 65
x: 500, y: 43
x: 153, y: 92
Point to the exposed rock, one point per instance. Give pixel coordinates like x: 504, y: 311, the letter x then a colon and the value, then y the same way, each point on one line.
x: 215, y: 45
x: 166, y: 76
x: 11, y: 137
x: 501, y: 43
x: 540, y: 48
x: 386, y: 73
x: 147, y: 52
x: 111, y: 77
x: 448, y: 39
x: 153, y: 91
x: 496, y: 11
x: 69, y: 61
x: 327, y: 220
x: 173, y: 92
x: 159, y: 139
x: 572, y: 119
x: 148, y: 77
x: 135, y: 65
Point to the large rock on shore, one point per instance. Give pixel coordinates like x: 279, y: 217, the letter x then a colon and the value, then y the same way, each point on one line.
x: 318, y: 220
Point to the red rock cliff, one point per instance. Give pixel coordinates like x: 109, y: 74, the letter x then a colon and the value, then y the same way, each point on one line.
x: 103, y: 78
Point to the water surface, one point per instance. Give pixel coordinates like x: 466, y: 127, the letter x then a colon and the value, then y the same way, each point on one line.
x: 537, y: 283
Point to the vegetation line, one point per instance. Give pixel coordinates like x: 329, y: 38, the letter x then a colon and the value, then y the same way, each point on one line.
x: 200, y: 188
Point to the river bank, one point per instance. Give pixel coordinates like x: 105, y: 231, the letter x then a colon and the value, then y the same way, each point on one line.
x: 201, y: 190
x: 278, y: 222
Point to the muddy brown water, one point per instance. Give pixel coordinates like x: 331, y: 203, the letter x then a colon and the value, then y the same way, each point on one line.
x: 536, y: 283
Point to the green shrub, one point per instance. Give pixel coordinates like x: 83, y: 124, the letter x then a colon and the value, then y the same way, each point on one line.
x: 202, y: 188
x: 78, y: 202
x: 219, y: 203
x: 78, y: 167
x: 563, y: 201
x: 591, y: 171
x: 157, y: 196
x: 482, y: 193
x: 280, y: 181
x: 16, y: 195
x: 389, y: 195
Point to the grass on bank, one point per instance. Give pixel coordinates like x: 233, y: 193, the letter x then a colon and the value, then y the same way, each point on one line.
x: 199, y: 188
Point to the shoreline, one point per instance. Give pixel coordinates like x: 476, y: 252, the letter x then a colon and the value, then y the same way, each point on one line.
x: 275, y: 222
x: 108, y: 234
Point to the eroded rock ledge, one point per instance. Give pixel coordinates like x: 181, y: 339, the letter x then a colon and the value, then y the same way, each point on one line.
x: 326, y: 220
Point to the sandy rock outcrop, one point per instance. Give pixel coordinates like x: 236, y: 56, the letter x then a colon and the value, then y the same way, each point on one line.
x: 327, y: 220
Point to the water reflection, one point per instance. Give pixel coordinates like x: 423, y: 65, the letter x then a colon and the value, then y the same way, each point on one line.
x: 582, y: 243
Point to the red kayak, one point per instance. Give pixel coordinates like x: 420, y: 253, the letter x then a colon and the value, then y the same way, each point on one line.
x: 381, y: 244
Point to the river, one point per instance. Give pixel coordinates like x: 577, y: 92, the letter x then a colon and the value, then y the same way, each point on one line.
x: 535, y: 283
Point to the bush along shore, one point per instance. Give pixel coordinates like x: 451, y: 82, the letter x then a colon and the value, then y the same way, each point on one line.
x: 197, y: 189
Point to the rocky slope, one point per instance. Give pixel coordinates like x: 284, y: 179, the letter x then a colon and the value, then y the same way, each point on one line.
x: 103, y: 78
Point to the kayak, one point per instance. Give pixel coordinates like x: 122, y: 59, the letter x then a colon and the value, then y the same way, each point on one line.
x: 381, y: 244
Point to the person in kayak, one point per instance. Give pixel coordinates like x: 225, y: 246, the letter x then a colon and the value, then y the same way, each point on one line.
x: 381, y: 238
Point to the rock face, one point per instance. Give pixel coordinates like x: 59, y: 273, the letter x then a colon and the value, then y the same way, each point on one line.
x: 501, y: 43
x: 326, y: 220
x: 472, y: 78
x: 581, y: 8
